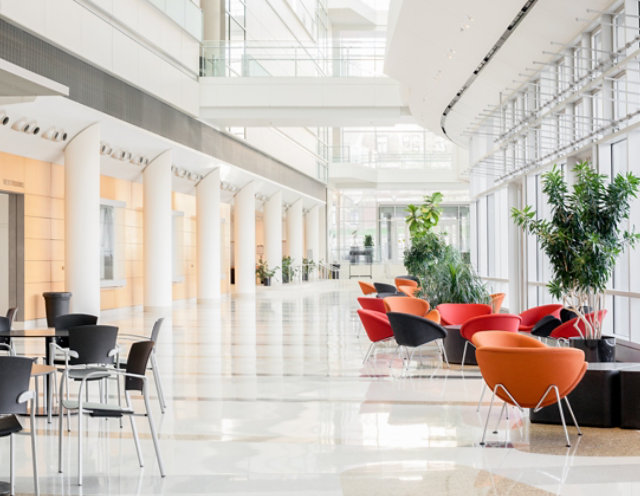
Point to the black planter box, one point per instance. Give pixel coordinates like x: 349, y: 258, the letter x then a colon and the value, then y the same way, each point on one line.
x: 630, y: 398
x: 454, y: 346
x: 595, y: 401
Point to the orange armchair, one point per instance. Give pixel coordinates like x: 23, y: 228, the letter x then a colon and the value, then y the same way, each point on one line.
x: 496, y: 301
x: 531, y: 317
x: 377, y: 327
x: 402, y: 304
x: 433, y: 315
x: 508, y: 372
x: 458, y: 313
x: 408, y: 290
x: 484, y: 323
x: 404, y: 281
x: 367, y: 288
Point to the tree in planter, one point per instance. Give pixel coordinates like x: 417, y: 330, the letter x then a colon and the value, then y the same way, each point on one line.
x: 368, y: 247
x: 288, y: 271
x: 263, y: 272
x: 445, y: 277
x: 308, y: 266
x: 584, y: 237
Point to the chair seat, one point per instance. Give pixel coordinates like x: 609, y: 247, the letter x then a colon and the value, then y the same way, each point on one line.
x: 9, y: 424
x: 79, y: 374
x: 108, y: 409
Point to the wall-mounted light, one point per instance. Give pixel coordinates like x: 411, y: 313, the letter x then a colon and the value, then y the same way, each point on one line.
x: 119, y: 154
x: 20, y: 125
x: 34, y: 128
x: 105, y: 149
x: 4, y: 118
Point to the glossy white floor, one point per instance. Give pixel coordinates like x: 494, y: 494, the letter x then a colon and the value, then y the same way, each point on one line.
x: 268, y: 395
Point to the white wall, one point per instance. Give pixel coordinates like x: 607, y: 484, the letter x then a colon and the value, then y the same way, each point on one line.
x: 4, y: 252
x: 141, y: 45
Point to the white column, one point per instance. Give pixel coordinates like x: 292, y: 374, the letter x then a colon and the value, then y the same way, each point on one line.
x: 313, y: 234
x: 208, y: 236
x: 515, y: 240
x: 157, y: 232
x: 322, y: 233
x: 82, y: 220
x: 273, y: 233
x: 295, y: 232
x: 244, y: 221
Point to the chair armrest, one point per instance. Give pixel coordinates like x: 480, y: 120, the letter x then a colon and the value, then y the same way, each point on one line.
x: 133, y: 336
x: 66, y: 351
x: 114, y: 352
x: 26, y: 396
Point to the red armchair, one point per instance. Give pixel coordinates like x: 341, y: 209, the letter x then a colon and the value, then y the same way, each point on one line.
x: 458, y: 313
x: 568, y: 330
x: 481, y: 323
x: 377, y: 327
x: 375, y: 304
x: 531, y: 317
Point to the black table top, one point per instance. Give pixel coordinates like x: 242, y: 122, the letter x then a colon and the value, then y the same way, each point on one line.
x: 46, y: 332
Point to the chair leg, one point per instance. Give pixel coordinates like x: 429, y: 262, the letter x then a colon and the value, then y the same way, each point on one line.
x: 484, y: 388
x: 154, y: 436
x: 134, y: 429
x: 366, y: 356
x: 12, y: 475
x: 444, y: 353
x: 50, y: 386
x: 80, y: 415
x: 157, y: 380
x: 504, y: 405
x: 119, y: 396
x: 36, y: 484
x: 486, y: 423
x: 60, y: 421
x: 464, y: 354
x: 564, y: 425
x: 573, y: 417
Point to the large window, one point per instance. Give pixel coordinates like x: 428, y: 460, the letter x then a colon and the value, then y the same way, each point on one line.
x: 111, y: 243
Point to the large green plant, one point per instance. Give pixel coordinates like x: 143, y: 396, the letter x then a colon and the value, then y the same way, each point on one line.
x: 583, y: 238
x: 445, y: 277
x: 422, y: 218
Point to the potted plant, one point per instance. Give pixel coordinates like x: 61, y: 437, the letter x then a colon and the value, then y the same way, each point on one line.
x: 264, y: 273
x: 444, y: 275
x: 368, y: 247
x: 582, y: 240
x: 308, y: 265
x: 288, y: 271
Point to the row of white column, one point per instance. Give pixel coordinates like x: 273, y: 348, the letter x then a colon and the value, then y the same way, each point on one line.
x: 82, y: 229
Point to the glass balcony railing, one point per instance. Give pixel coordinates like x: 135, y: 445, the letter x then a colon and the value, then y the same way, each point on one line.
x: 402, y: 160
x: 265, y: 59
x: 185, y: 13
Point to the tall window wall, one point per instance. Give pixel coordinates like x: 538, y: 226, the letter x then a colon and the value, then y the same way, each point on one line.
x: 582, y: 106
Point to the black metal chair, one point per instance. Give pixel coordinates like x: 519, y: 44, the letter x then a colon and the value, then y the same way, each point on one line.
x: 134, y: 380
x: 382, y: 287
x: 15, y: 373
x: 63, y: 323
x: 11, y: 315
x: 155, y: 332
x: 412, y: 331
x: 5, y: 342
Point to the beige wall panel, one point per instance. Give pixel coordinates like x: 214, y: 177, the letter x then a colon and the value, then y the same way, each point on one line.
x: 57, y: 181
x: 37, y: 228
x: 33, y: 301
x: 107, y: 299
x: 57, y: 229
x: 37, y: 206
x: 37, y: 249
x: 37, y: 177
x: 57, y: 271
x: 57, y: 249
x: 37, y: 271
x: 11, y: 173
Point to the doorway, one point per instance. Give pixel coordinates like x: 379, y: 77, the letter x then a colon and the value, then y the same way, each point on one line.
x: 12, y: 253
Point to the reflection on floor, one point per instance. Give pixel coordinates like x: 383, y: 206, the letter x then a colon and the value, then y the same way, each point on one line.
x: 268, y: 395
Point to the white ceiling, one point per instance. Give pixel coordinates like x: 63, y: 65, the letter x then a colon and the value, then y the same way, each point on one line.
x: 72, y: 117
x: 434, y: 47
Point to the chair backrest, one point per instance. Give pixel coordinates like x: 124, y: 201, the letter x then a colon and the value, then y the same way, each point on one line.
x: 531, y: 316
x: 566, y: 314
x: 64, y: 322
x: 406, y: 281
x: 375, y: 304
x: 382, y: 287
x: 376, y: 324
x: 414, y: 306
x: 496, y: 301
x: 92, y: 343
x: 505, y: 339
x: 367, y: 288
x: 492, y: 322
x: 15, y: 373
x: 528, y: 372
x: 155, y: 331
x: 137, y: 361
x: 434, y: 316
x: 411, y: 330
x: 458, y: 313
x: 408, y: 290
x: 568, y: 328
x: 5, y: 324
x: 11, y: 315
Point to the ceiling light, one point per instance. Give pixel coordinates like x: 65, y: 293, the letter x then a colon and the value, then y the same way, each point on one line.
x: 20, y: 125
x: 118, y: 154
x: 105, y: 149
x: 62, y: 136
x: 33, y: 128
x: 4, y: 118
x: 50, y: 134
